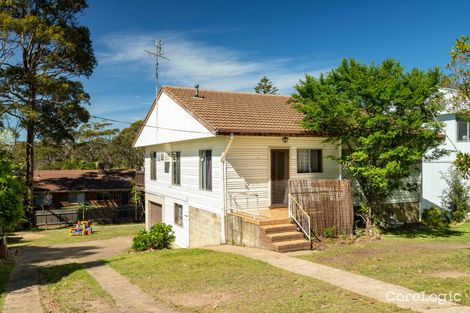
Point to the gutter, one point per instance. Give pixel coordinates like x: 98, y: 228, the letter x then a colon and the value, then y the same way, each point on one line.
x: 223, y: 162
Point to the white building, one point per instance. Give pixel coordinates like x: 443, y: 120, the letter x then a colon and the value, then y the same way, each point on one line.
x: 457, y: 139
x: 209, y: 154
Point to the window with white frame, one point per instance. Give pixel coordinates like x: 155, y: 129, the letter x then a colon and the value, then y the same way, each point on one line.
x: 178, y: 208
x: 463, y: 130
x: 309, y: 161
x: 176, y: 172
x: 153, y: 165
x: 205, y: 169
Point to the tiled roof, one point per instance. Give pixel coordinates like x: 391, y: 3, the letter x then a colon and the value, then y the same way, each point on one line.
x: 237, y: 112
x: 62, y: 180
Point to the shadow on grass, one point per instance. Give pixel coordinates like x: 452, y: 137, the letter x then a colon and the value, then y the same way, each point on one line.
x: 51, y: 274
x: 423, y: 231
x: 30, y: 259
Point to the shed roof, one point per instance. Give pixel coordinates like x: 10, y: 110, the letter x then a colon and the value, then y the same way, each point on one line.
x: 75, y: 180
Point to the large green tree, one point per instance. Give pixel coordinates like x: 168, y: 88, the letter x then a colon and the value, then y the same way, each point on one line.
x: 124, y: 154
x: 458, y: 80
x: 382, y: 115
x: 46, y: 49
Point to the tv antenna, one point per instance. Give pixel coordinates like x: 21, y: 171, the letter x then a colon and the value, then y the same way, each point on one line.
x: 157, y: 53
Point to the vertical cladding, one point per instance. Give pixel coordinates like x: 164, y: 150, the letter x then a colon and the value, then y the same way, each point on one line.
x: 248, y: 167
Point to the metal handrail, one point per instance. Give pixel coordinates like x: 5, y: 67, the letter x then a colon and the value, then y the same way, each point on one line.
x: 293, y: 213
x: 239, y: 208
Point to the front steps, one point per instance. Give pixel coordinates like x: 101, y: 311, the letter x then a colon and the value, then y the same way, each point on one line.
x: 283, y: 236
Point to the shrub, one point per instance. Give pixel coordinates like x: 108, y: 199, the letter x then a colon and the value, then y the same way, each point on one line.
x: 160, y: 236
x: 456, y: 197
x: 434, y: 217
x: 329, y: 232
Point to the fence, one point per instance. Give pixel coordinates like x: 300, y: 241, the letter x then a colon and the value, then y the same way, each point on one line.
x: 123, y: 214
x: 327, y: 202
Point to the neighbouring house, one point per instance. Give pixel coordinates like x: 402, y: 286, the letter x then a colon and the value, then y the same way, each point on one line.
x: 217, y: 167
x: 56, y: 189
x: 457, y: 133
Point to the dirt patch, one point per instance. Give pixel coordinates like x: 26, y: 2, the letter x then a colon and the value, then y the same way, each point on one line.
x: 212, y: 299
x: 450, y: 274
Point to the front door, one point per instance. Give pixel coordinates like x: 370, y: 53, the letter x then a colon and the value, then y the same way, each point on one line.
x: 279, y: 176
x: 155, y: 213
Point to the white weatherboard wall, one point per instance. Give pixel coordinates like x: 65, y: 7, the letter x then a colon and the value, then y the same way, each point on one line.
x: 188, y: 192
x: 433, y: 183
x: 248, y: 166
x: 169, y: 122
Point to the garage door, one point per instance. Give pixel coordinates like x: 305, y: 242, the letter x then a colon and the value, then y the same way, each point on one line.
x: 156, y: 211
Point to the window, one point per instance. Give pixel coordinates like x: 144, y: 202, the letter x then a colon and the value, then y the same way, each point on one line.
x: 463, y: 129
x: 102, y: 196
x: 176, y: 179
x: 166, y: 158
x: 124, y: 198
x: 309, y: 161
x: 76, y: 197
x: 178, y: 214
x: 205, y: 169
x: 153, y: 165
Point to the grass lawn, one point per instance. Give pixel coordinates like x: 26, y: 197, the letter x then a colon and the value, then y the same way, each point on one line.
x: 430, y: 260
x: 69, y: 288
x: 198, y: 280
x: 60, y: 236
x: 5, y: 270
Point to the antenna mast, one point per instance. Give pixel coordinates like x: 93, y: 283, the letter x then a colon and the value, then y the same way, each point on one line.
x: 157, y: 53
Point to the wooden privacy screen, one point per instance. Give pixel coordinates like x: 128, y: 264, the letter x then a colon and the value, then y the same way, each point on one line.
x: 328, y: 202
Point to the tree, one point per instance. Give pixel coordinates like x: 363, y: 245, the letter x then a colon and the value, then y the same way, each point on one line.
x: 456, y: 197
x: 124, y: 154
x: 36, y: 86
x: 459, y: 81
x: 93, y: 143
x: 382, y: 115
x: 265, y: 86
x: 459, y: 76
x: 11, y: 202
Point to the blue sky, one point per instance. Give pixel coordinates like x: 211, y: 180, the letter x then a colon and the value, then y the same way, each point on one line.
x: 229, y: 45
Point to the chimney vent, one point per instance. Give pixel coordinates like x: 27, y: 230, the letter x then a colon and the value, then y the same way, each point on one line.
x: 196, y: 95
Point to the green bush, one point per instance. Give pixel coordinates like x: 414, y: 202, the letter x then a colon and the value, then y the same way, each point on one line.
x: 160, y: 236
x: 434, y: 217
x: 456, y: 197
x: 329, y: 232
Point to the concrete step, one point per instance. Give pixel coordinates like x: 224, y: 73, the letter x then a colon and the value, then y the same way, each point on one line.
x: 279, y: 228
x: 285, y: 236
x: 278, y: 221
x: 291, y: 245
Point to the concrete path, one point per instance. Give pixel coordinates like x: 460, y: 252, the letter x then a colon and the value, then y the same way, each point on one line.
x: 128, y: 297
x: 23, y: 292
x: 369, y: 287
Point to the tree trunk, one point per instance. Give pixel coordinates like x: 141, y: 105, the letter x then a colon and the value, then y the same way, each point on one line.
x: 3, y: 247
x: 30, y: 161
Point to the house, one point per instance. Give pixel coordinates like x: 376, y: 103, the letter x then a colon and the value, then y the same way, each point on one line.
x: 457, y: 134
x: 217, y: 166
x: 63, y: 188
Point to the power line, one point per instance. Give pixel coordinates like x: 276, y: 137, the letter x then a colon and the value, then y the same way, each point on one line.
x: 151, y: 126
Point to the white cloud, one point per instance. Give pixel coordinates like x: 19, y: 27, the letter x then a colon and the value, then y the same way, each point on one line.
x: 193, y: 62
